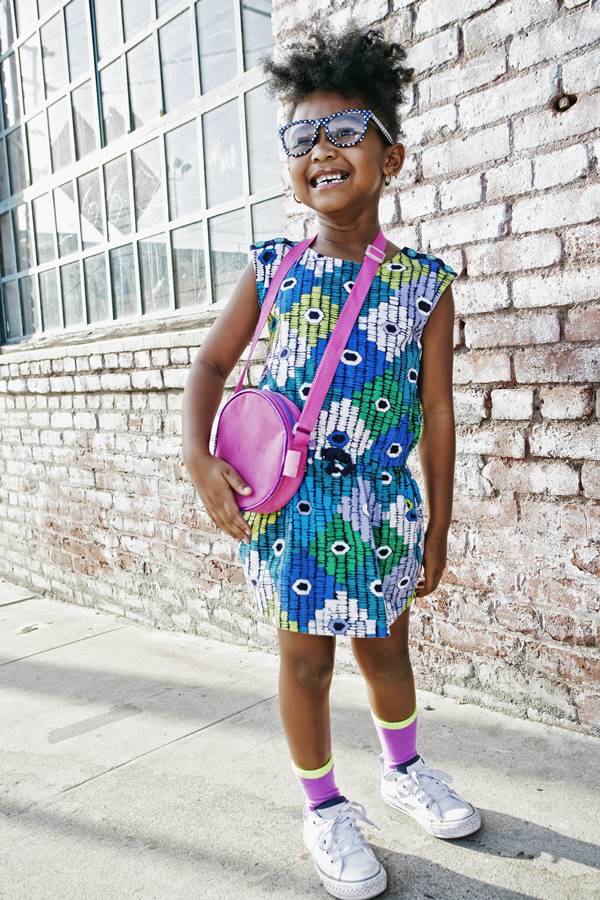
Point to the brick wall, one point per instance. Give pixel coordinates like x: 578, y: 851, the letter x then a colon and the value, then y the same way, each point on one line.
x: 96, y: 507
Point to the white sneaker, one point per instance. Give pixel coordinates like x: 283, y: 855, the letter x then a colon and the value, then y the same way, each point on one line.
x: 423, y: 794
x: 343, y: 859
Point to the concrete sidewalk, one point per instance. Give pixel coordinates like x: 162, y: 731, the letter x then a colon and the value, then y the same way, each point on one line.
x: 148, y: 764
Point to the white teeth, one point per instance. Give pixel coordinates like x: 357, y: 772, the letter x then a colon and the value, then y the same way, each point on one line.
x: 327, y: 179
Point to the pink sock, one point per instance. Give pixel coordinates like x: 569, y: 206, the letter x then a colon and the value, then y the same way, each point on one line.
x: 398, y: 739
x: 318, y: 784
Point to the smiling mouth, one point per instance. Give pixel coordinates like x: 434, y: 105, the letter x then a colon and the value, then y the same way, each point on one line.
x: 325, y: 180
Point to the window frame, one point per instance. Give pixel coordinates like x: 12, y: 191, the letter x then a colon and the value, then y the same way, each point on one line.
x: 192, y: 111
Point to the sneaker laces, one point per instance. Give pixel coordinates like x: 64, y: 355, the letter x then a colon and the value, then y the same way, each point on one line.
x: 342, y: 830
x: 435, y: 787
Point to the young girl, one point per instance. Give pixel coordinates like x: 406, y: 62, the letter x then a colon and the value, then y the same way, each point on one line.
x: 343, y: 556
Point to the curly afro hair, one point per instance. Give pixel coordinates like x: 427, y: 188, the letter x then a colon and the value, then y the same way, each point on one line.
x: 357, y: 62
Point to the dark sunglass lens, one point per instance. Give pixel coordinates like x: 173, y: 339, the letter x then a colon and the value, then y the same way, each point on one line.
x: 347, y: 128
x: 298, y: 138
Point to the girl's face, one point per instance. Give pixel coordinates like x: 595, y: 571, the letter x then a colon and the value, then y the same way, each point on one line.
x: 367, y: 163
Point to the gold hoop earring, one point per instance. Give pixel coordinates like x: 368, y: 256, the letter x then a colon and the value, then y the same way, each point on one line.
x: 296, y: 199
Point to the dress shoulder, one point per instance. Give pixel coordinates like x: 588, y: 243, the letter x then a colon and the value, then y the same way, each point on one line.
x: 265, y: 257
x: 432, y: 275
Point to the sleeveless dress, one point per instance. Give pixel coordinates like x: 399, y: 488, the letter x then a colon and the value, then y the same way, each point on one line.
x: 342, y: 557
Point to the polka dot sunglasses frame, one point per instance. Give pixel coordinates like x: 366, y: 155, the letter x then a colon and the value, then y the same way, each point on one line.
x: 364, y: 114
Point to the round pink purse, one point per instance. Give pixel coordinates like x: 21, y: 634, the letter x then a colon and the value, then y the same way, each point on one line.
x: 262, y: 433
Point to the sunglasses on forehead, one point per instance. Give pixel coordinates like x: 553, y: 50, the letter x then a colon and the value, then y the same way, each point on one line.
x: 344, y: 129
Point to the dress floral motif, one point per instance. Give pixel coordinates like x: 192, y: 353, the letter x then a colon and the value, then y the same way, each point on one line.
x: 344, y: 554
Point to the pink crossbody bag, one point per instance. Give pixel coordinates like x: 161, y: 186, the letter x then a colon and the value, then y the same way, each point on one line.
x: 262, y: 433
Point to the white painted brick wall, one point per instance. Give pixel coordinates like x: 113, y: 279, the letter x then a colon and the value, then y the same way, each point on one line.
x: 434, y: 14
x: 503, y: 20
x: 554, y: 40
x: 509, y: 179
x: 512, y: 404
x: 432, y: 52
x: 568, y: 206
x: 510, y: 255
x: 461, y: 191
x: 454, y: 81
x: 459, y: 154
x: 505, y: 99
x: 561, y: 166
x: 97, y: 507
x: 576, y: 285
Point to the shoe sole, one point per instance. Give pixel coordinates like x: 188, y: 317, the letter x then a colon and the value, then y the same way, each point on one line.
x: 451, y: 830
x: 362, y: 890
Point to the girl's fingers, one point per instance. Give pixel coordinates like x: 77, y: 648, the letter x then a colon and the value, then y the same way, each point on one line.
x: 226, y: 520
x: 237, y: 523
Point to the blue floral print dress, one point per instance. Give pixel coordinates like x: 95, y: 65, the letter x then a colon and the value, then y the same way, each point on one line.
x: 342, y: 557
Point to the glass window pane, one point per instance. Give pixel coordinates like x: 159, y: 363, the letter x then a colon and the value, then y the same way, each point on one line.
x: 37, y: 141
x: 216, y: 41
x: 31, y: 73
x: 54, y: 55
x: 90, y: 209
x: 154, y: 275
x: 122, y: 277
x: 183, y: 171
x: 144, y: 92
x: 228, y: 252
x: 7, y: 29
x: 147, y: 183
x: 9, y: 258
x: 257, y: 30
x: 189, y: 271
x: 4, y: 185
x: 263, y: 151
x: 114, y: 101
x: 84, y: 119
x: 46, y: 6
x: 137, y: 14
x: 268, y: 219
x: 96, y: 289
x: 116, y: 188
x: 12, y: 308
x: 17, y: 167
x: 22, y: 234
x: 164, y: 6
x: 67, y: 219
x: 26, y: 16
x: 49, y: 300
x: 43, y: 225
x: 31, y: 322
x: 176, y: 61
x: 108, y: 27
x: 222, y: 153
x: 70, y: 285
x: 77, y: 38
x: 59, y: 126
x: 11, y: 106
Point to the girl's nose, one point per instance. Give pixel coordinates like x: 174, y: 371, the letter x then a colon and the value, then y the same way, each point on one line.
x: 322, y: 142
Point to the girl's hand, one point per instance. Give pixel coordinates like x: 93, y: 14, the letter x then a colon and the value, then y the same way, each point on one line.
x: 215, y: 481
x: 434, y: 562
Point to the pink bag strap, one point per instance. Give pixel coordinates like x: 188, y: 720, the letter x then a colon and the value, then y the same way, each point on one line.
x: 282, y: 269
x: 374, y: 256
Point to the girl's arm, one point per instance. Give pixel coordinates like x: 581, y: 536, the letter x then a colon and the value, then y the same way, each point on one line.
x: 225, y: 342
x: 437, y: 444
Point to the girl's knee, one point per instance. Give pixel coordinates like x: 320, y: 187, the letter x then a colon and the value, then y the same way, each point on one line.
x: 309, y: 659
x: 384, y: 667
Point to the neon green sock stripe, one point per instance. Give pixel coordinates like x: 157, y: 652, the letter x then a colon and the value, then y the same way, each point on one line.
x: 314, y: 773
x: 396, y: 725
